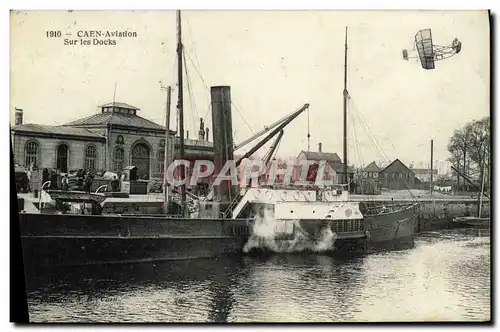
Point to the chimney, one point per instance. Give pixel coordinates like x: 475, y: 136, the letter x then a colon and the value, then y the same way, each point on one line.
x: 201, y: 131
x: 222, y: 133
x: 206, y: 133
x: 319, y: 148
x: 18, y: 117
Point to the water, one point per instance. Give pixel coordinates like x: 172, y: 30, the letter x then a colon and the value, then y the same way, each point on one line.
x: 443, y: 276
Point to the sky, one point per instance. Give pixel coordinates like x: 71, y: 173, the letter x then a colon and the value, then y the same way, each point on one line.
x: 274, y: 61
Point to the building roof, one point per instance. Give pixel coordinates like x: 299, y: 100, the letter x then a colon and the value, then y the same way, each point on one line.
x: 120, y: 105
x: 399, y: 161
x: 372, y: 167
x: 55, y: 130
x: 338, y: 167
x: 128, y: 120
x: 331, y: 157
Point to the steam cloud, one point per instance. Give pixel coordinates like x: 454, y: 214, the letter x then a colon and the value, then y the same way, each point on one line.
x: 264, y: 236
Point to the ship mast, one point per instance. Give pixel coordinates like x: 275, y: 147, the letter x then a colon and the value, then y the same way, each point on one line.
x: 180, y: 106
x: 346, y: 179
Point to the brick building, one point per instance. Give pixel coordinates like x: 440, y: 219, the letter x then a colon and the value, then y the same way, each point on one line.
x: 109, y: 140
x: 334, y: 168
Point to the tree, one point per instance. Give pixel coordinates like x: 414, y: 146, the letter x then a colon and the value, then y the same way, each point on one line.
x: 455, y: 161
x: 480, y: 146
x: 459, y: 146
x: 469, y: 148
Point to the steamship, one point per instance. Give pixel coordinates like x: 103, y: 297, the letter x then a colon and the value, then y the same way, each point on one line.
x: 313, y: 213
x: 224, y: 223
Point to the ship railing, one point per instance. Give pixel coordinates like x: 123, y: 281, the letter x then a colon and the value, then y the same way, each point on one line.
x: 337, y: 187
x: 386, y: 208
x: 347, y: 225
x: 232, y: 205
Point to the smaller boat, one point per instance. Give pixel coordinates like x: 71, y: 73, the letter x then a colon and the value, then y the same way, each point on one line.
x: 472, y: 221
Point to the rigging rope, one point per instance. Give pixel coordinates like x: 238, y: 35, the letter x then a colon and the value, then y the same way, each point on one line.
x: 194, y: 45
x: 373, y: 140
x: 308, y: 133
x: 173, y: 86
x: 356, y: 145
x: 192, y: 100
x: 378, y: 150
x: 371, y: 136
x: 204, y: 83
x: 185, y: 53
x: 241, y: 115
x: 208, y: 89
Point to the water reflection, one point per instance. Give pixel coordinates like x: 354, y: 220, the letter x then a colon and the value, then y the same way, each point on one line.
x: 182, y: 291
x: 440, y: 276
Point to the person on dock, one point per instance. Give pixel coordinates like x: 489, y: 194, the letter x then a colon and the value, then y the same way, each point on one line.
x: 45, y: 175
x: 65, y: 183
x: 88, y: 182
x: 28, y: 173
x: 114, y: 184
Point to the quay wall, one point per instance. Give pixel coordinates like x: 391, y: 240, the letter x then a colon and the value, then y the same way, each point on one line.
x: 436, y: 214
x: 439, y: 214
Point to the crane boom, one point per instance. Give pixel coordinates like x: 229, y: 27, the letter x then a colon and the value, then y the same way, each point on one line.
x: 468, y: 180
x: 272, y: 134
x: 282, y: 124
x: 263, y: 131
x: 269, y: 155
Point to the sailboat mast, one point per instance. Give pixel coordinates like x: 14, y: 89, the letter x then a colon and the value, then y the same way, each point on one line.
x: 346, y: 179
x: 180, y: 106
x: 168, y: 158
x: 481, y: 194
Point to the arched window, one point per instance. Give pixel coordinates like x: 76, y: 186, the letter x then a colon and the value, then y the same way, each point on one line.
x: 62, y: 157
x: 119, y: 157
x: 90, y: 157
x: 160, y: 161
x: 31, y: 153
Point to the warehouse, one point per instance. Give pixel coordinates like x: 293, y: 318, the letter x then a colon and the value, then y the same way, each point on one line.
x: 107, y: 141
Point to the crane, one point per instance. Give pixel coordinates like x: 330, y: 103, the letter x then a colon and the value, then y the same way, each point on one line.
x: 280, y: 124
x: 270, y: 153
x: 280, y: 127
x: 263, y: 131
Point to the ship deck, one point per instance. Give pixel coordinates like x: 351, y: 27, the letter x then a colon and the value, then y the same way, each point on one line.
x: 397, y: 196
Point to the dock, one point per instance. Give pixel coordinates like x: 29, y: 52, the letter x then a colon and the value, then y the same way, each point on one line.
x: 435, y: 211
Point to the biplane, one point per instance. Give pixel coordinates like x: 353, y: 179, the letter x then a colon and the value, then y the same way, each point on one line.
x: 425, y: 51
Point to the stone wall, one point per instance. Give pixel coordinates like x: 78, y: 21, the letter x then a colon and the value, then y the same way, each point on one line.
x: 153, y: 141
x: 47, y: 151
x: 440, y: 214
x: 130, y: 139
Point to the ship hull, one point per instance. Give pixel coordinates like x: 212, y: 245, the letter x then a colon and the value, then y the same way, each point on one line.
x: 391, y: 226
x: 375, y: 229
x: 69, y: 240
x: 80, y: 250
